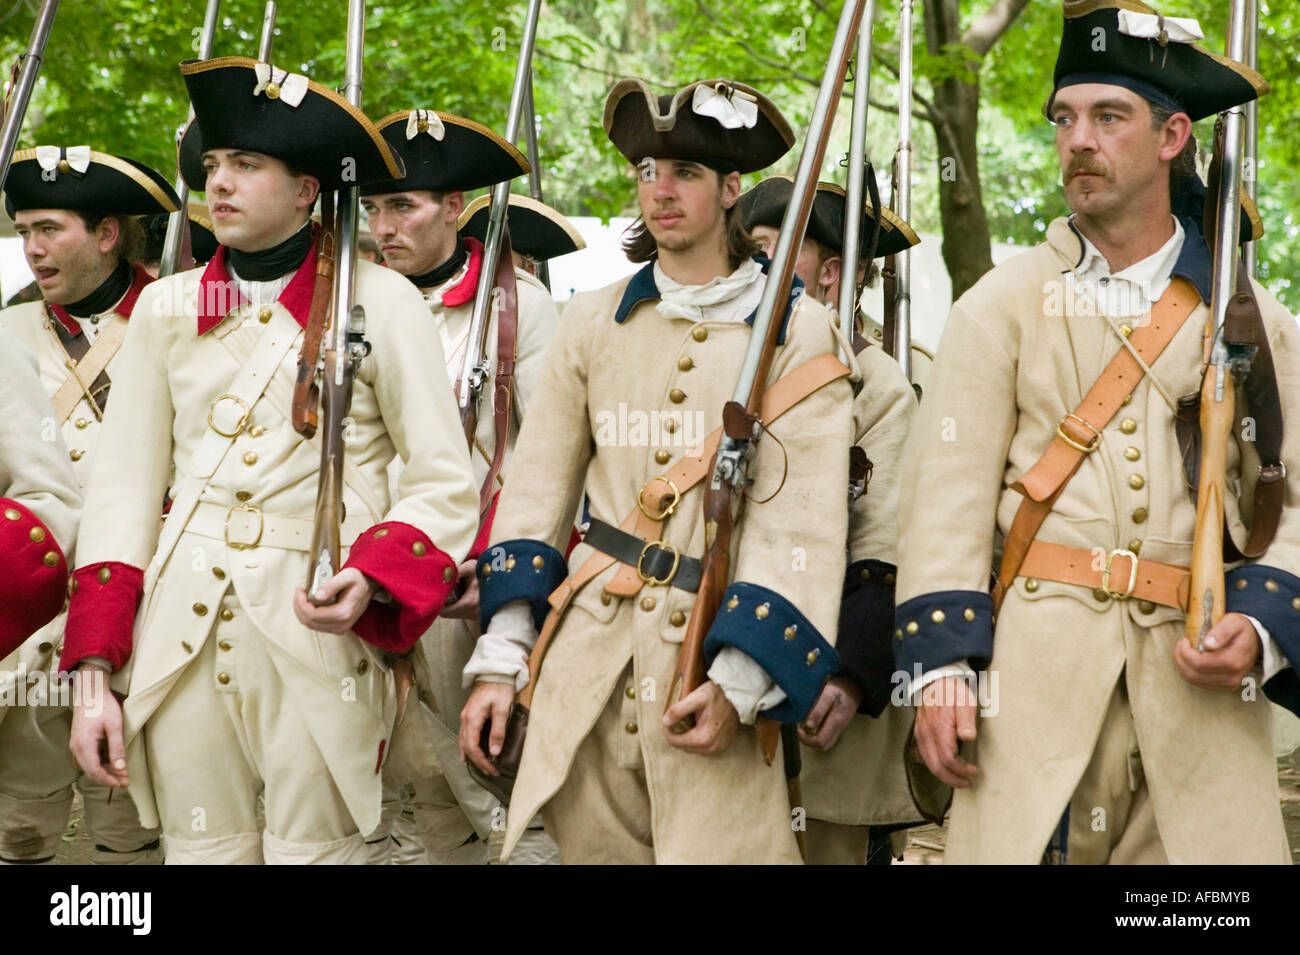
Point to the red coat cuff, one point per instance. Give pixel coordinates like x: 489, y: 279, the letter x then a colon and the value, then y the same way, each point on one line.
x: 101, y: 615
x: 33, y: 575
x: 420, y: 577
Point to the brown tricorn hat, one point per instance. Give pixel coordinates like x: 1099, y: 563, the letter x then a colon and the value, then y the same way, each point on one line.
x: 766, y: 204
x: 721, y: 124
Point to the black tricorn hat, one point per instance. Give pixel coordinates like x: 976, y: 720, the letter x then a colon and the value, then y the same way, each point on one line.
x: 240, y: 103
x: 765, y: 204
x: 203, y: 241
x: 81, y: 179
x: 1127, y: 43
x: 536, y: 230
x: 445, y: 153
x: 721, y: 124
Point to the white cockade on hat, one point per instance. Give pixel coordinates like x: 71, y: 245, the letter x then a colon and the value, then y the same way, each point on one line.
x: 49, y: 157
x: 731, y: 107
x: 424, y: 121
x: 279, y: 84
x: 1153, y: 26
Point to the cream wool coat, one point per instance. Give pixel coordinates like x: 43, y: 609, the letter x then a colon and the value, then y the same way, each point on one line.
x: 860, y: 780
x: 1010, y: 366
x: 169, y: 376
x: 724, y: 808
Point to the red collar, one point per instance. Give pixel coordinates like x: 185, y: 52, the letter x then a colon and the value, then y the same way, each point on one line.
x: 139, y: 279
x: 463, y: 291
x: 217, y: 288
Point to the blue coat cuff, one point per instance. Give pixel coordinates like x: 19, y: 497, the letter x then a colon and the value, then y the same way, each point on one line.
x: 768, y: 628
x: 933, y: 630
x: 1272, y: 597
x: 519, y: 569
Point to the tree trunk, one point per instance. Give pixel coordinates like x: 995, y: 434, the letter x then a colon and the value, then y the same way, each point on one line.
x: 967, y: 249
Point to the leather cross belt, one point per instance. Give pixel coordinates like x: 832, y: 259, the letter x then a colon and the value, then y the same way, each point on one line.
x: 1122, y: 576
x: 657, y: 563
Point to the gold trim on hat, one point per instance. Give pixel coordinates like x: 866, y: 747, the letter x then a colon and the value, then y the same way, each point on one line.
x: 402, y: 115
x: 525, y: 202
x: 223, y: 62
x: 119, y: 165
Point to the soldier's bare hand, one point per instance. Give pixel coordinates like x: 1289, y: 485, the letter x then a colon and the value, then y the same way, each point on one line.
x: 945, y: 714
x: 837, y: 705
x: 353, y: 590
x: 466, y: 605
x: 96, y: 738
x: 488, y: 702
x: 1231, y: 649
x: 716, y: 720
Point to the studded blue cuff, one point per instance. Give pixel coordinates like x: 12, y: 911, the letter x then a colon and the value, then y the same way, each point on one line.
x: 769, y: 629
x: 1272, y: 597
x: 933, y: 630
x: 518, y: 569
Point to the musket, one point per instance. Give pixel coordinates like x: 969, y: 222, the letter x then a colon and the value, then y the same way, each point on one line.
x: 855, y: 186
x: 175, y: 248
x: 1250, y: 178
x: 740, y: 416
x: 535, y: 167
x: 345, y: 347
x: 20, y: 93
x: 1206, y: 601
x: 902, y: 291
x: 475, y: 368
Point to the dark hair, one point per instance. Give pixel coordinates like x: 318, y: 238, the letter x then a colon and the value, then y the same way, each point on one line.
x: 1182, y: 171
x: 640, y: 246
x: 131, y: 233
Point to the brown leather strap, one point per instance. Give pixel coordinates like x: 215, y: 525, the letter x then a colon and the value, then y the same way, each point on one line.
x: 91, y: 360
x: 1122, y: 574
x: 1079, y: 432
x: 306, y: 392
x: 503, y: 385
x: 688, y: 471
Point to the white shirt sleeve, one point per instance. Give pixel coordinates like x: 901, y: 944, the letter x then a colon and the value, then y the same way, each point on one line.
x: 961, y: 668
x: 744, y: 683
x: 1273, y: 660
x: 501, y: 654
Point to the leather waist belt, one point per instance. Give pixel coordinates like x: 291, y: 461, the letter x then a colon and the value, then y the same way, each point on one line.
x: 1122, y: 576
x: 245, y: 526
x: 657, y: 563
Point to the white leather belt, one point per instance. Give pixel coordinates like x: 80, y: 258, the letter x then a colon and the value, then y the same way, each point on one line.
x: 245, y: 526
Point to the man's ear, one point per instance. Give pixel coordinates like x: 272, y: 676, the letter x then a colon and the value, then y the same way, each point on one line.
x: 107, y: 233
x: 1174, y: 136
x: 308, y: 190
x: 829, y: 273
x: 730, y: 189
x: 453, y: 204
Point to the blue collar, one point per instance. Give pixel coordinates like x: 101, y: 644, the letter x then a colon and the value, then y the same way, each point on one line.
x: 642, y: 288
x: 1194, y: 261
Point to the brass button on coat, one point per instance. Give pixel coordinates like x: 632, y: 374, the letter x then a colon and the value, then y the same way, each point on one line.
x: 662, y: 456
x: 1135, y: 546
x: 75, y: 454
x: 1146, y: 606
x: 685, y: 363
x: 250, y: 458
x: 223, y: 644
x: 226, y: 614
x: 1137, y: 482
x: 647, y: 603
x: 1128, y: 426
x: 218, y: 573
x: 1241, y: 583
x: 630, y: 693
x: 1031, y: 585
x: 186, y: 647
x: 105, y: 575
x: 12, y: 514
x: 243, y: 495
x: 256, y: 431
x: 200, y: 609
x: 938, y: 616
x: 762, y: 610
x: 677, y: 618
x: 539, y: 561
x: 1132, y: 454
x: 363, y: 667
x: 605, y: 597
x: 968, y: 615
x: 223, y: 678
x: 37, y: 535
x: 82, y: 423
x: 51, y: 559
x: 264, y: 315
x: 699, y: 333
x: 630, y: 727
x: 912, y: 628
x: 448, y: 575
x: 418, y: 549
x: 1139, y: 515
x: 677, y: 396
x: 791, y: 631
x: 1100, y: 595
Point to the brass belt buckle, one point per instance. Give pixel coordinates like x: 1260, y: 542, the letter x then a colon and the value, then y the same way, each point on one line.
x: 252, y: 509
x: 243, y: 418
x: 672, y: 571
x: 1085, y: 448
x: 1132, y: 578
x: 677, y: 496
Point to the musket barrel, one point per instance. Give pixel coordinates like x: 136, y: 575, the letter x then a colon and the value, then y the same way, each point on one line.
x: 534, y: 164
x: 497, y: 212
x: 1251, y: 179
x: 855, y: 188
x: 1229, y: 213
x: 903, y: 200
x: 22, y: 93
x: 268, y: 33
x: 797, y: 210
x: 171, y: 253
x: 346, y: 274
